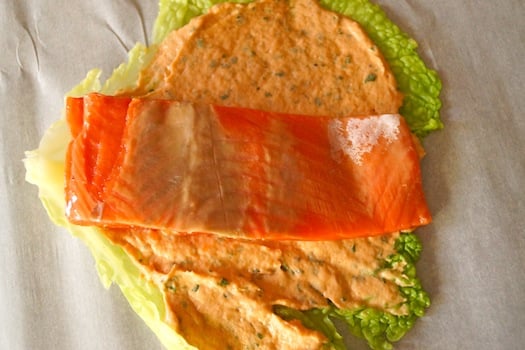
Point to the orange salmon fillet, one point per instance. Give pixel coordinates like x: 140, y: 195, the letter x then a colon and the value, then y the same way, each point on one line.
x: 240, y: 172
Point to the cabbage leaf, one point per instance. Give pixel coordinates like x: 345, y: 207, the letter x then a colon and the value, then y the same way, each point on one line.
x: 421, y: 87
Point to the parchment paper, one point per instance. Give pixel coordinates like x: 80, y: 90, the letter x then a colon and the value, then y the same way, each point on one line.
x: 474, y: 174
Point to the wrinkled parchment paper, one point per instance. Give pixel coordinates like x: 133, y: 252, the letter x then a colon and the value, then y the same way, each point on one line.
x: 474, y: 174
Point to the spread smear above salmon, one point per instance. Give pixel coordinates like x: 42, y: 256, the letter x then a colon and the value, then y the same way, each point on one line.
x: 282, y: 56
x: 240, y: 172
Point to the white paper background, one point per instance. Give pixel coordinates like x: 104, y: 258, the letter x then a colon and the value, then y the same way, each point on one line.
x: 474, y: 257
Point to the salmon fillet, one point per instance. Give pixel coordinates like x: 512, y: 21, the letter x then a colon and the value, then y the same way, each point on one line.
x: 240, y: 172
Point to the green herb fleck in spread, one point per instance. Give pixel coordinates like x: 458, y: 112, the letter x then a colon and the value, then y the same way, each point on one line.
x: 370, y: 77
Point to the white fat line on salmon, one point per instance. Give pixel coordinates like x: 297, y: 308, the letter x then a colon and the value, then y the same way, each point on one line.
x: 355, y: 136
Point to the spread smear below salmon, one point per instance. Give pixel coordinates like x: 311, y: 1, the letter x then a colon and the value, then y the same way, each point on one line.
x: 238, y: 172
x: 248, y: 278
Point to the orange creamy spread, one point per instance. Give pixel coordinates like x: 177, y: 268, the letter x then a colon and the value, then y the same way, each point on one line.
x: 228, y: 287
x: 282, y: 56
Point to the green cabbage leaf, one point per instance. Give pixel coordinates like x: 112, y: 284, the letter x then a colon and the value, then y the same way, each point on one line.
x: 421, y: 87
